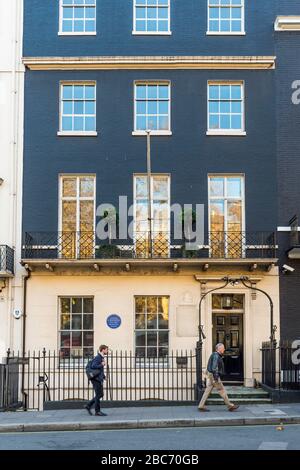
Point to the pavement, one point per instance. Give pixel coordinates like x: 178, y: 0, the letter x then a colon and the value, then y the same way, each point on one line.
x: 148, y: 417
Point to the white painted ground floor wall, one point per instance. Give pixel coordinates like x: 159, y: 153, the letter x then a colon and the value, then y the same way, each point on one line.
x: 114, y: 294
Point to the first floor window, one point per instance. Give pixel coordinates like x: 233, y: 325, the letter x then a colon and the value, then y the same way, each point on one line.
x: 78, y: 16
x: 226, y: 215
x: 78, y: 107
x: 226, y: 16
x: 152, y: 107
x: 152, y: 16
x: 77, y: 216
x: 226, y: 106
x: 76, y: 327
x: 151, y: 326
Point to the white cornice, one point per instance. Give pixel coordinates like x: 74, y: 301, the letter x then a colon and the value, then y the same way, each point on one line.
x: 287, y: 23
x: 149, y: 62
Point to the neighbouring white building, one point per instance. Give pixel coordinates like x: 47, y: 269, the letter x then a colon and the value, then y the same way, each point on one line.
x: 11, y: 151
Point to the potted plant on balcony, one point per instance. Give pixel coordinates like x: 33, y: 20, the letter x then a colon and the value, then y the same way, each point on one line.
x: 109, y: 250
x: 189, y: 218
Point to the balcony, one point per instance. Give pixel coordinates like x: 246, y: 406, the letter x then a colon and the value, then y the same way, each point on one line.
x: 7, y: 259
x: 84, y: 248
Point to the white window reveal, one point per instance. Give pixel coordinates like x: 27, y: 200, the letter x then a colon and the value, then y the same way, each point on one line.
x: 76, y: 239
x: 151, y: 327
x: 77, y: 17
x: 226, y: 17
x: 226, y: 108
x: 78, y: 109
x: 152, y: 108
x: 76, y: 328
x: 151, y: 17
x: 226, y: 216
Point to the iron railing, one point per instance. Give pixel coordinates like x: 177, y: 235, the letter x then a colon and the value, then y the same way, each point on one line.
x: 86, y: 245
x: 280, y: 367
x: 7, y: 259
x: 9, y: 385
x: 49, y: 377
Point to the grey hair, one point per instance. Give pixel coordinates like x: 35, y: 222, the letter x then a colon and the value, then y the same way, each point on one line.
x: 219, y: 345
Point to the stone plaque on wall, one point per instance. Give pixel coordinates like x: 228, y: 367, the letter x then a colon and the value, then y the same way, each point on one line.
x: 187, y: 321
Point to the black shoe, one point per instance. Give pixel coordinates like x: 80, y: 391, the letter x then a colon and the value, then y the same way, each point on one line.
x: 203, y: 409
x: 88, y: 409
x: 100, y: 414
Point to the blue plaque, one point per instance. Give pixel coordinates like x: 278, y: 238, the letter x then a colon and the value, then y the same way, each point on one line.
x: 113, y: 321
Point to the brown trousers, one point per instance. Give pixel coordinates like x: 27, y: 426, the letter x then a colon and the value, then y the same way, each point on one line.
x: 210, y: 384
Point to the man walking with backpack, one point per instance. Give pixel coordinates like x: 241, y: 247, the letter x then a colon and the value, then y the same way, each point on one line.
x: 95, y: 373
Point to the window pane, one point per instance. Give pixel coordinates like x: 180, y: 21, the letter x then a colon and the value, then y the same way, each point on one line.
x: 217, y: 187
x: 65, y: 305
x: 88, y: 322
x: 140, y: 304
x: 87, y: 190
x: 88, y: 305
x: 76, y: 322
x: 65, y: 322
x: 234, y: 186
x: 76, y: 305
x: 88, y: 338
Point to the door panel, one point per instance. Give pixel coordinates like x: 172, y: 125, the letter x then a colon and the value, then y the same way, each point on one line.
x: 228, y: 329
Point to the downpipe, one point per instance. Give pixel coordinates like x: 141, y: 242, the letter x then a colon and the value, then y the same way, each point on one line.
x: 24, y: 394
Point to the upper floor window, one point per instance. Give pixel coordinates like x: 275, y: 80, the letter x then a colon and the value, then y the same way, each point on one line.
x: 152, y: 108
x: 151, y: 17
x: 226, y: 108
x: 226, y: 17
x: 77, y: 17
x: 78, y: 109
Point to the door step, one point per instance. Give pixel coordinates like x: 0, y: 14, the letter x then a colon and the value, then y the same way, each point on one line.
x: 241, y: 395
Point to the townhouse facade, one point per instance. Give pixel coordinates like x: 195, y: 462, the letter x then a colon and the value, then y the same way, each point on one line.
x: 11, y: 138
x: 287, y: 43
x: 201, y: 78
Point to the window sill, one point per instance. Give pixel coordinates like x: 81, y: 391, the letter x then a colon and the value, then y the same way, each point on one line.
x: 224, y: 33
x: 152, y: 33
x: 144, y: 133
x: 61, y: 33
x: 229, y: 133
x: 79, y: 134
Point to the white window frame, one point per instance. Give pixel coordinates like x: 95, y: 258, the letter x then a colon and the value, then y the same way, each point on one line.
x: 75, y: 33
x: 226, y: 198
x: 153, y: 132
x: 76, y: 198
x: 71, y: 361
x: 152, y: 33
x: 147, y: 359
x: 227, y: 33
x: 229, y: 132
x: 153, y: 176
x: 75, y: 133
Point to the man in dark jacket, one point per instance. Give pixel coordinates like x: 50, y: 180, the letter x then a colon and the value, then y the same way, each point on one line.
x: 98, y: 364
x: 215, y: 368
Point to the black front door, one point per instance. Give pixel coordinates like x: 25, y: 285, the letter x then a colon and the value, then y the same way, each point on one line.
x: 228, y: 329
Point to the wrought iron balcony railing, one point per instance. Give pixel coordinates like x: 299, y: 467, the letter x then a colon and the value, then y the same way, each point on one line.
x: 86, y: 245
x: 7, y: 259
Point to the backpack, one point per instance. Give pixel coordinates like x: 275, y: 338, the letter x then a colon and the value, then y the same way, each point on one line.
x: 90, y: 372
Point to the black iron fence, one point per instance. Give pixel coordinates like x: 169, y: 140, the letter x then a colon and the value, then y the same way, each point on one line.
x: 7, y: 259
x: 281, y: 365
x: 9, y: 385
x: 46, y: 376
x: 86, y: 245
